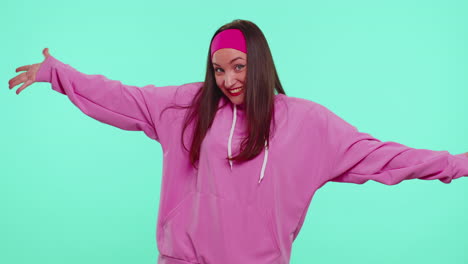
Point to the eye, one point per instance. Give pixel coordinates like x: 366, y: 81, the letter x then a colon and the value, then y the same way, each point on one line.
x: 216, y: 69
x: 240, y: 66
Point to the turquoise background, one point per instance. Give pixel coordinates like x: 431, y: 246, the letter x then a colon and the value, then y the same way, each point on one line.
x: 74, y: 190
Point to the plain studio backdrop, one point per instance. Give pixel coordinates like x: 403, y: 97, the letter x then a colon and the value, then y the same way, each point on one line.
x: 74, y: 190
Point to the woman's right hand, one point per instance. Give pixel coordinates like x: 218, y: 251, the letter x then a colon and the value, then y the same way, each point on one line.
x: 28, y: 77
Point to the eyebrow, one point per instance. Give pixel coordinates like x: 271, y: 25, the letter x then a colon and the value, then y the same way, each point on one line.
x: 230, y: 61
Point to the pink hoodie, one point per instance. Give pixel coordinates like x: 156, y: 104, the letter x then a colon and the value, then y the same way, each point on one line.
x: 249, y: 212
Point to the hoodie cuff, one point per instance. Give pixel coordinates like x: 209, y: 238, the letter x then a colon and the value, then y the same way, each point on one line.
x: 462, y: 155
x: 459, y: 165
x: 44, y: 74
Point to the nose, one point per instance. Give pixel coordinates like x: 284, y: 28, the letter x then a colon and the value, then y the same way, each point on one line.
x: 229, y: 79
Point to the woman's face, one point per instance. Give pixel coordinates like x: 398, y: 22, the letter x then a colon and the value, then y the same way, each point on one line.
x: 230, y: 69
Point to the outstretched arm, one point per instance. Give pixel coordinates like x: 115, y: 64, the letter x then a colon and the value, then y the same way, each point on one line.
x: 108, y: 101
x: 358, y: 157
x: 124, y: 106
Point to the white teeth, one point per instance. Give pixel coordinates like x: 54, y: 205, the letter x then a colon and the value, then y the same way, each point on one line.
x: 235, y: 90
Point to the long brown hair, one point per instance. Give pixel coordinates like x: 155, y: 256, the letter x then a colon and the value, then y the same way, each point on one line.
x: 261, y: 82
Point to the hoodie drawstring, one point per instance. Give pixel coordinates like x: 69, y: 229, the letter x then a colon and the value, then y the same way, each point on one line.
x: 265, y: 157
x: 234, y: 118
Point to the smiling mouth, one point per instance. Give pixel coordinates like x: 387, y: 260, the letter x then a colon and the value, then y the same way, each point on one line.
x: 236, y: 90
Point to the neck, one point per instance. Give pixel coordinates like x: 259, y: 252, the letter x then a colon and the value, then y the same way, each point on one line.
x: 241, y: 106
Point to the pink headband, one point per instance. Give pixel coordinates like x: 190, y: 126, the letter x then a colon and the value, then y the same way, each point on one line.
x: 229, y: 38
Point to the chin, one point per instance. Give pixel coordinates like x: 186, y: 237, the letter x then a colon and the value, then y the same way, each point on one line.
x: 237, y: 101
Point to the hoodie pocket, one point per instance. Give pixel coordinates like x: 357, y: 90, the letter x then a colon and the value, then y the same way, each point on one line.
x: 205, y: 228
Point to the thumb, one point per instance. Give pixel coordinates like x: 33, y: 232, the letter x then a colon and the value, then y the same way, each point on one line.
x: 46, y: 52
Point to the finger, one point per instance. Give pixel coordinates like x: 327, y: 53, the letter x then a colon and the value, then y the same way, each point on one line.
x: 17, y: 80
x: 23, y: 68
x: 26, y: 84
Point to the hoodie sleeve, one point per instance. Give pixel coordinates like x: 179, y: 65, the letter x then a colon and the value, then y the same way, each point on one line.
x: 108, y: 101
x: 357, y: 157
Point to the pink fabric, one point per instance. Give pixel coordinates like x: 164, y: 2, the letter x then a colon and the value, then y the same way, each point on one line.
x: 221, y: 215
x: 229, y: 38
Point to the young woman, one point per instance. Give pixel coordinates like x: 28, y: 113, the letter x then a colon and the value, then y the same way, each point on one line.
x: 242, y: 160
